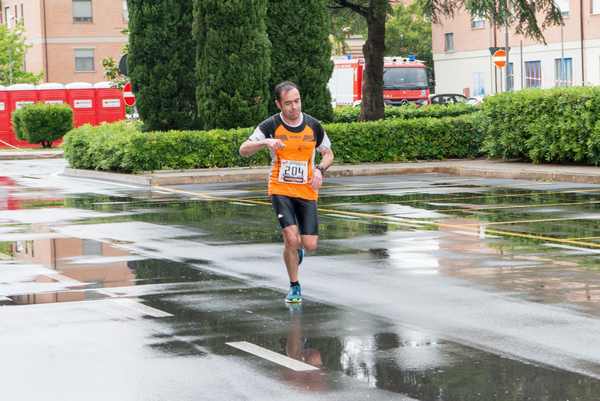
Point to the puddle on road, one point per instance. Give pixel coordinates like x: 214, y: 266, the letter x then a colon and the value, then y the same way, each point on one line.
x: 345, y: 344
x: 341, y: 343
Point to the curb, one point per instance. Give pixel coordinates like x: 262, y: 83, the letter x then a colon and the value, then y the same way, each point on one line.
x: 461, y: 168
x: 30, y: 155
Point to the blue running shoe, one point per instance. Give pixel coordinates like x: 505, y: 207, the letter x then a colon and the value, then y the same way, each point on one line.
x: 300, y: 256
x: 294, y: 296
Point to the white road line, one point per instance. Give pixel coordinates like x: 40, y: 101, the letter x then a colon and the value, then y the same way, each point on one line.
x: 272, y: 356
x: 139, y: 307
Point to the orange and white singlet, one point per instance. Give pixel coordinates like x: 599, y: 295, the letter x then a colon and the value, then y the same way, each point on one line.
x: 292, y: 166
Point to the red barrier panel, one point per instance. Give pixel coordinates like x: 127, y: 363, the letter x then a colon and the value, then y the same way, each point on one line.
x: 110, y: 105
x: 82, y: 98
x: 5, y: 129
x: 91, y: 104
x: 52, y: 93
x: 19, y: 96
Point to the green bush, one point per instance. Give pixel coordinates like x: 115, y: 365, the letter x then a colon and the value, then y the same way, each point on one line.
x: 42, y: 123
x: 122, y: 147
x: 349, y: 114
x: 555, y: 125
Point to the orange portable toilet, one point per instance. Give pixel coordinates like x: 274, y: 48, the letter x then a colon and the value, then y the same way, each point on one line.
x: 51, y: 93
x: 110, y: 104
x: 19, y: 96
x: 81, y: 97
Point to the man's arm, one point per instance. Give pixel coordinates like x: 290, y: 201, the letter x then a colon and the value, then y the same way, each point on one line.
x: 326, y: 162
x: 250, y: 147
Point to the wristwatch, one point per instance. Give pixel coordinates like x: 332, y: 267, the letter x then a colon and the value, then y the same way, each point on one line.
x: 322, y: 169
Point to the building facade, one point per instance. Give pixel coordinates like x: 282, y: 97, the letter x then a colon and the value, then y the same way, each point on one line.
x: 571, y: 56
x: 69, y: 38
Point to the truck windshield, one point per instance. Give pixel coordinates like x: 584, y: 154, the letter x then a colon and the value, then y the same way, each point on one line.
x: 404, y: 78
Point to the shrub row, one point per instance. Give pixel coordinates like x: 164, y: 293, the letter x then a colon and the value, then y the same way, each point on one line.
x: 556, y: 125
x: 349, y: 114
x: 122, y: 147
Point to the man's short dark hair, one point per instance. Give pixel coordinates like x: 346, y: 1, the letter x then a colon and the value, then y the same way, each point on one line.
x: 284, y: 87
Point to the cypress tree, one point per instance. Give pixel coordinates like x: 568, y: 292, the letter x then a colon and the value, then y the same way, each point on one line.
x: 161, y: 63
x: 233, y: 62
x: 299, y: 32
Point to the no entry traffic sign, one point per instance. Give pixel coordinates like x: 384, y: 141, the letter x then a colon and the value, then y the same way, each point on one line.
x: 499, y: 58
x: 128, y: 96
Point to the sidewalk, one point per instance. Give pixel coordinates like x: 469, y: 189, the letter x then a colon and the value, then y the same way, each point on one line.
x: 28, y: 154
x: 470, y: 168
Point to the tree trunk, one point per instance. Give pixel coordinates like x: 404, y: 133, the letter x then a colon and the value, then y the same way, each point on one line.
x: 372, y: 107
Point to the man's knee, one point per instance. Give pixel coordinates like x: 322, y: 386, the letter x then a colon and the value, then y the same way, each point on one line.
x: 291, y: 238
x: 310, y: 244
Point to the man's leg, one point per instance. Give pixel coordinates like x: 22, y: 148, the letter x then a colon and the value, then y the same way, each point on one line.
x: 292, y: 242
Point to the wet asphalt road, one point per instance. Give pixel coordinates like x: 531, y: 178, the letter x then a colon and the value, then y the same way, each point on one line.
x: 425, y: 287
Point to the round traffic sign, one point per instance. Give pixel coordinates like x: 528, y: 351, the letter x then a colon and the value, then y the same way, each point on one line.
x: 128, y: 96
x: 499, y: 58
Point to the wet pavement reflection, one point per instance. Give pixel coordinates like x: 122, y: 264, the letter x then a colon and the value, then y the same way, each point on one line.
x: 425, y: 287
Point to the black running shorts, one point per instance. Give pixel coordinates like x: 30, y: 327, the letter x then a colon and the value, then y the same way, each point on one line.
x: 296, y: 211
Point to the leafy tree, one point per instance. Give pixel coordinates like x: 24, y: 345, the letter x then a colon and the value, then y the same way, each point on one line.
x: 301, y: 53
x: 408, y: 31
x: 161, y: 63
x: 12, y: 57
x: 233, y: 62
x: 521, y: 14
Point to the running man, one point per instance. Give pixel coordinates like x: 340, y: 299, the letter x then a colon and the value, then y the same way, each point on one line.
x: 294, y: 181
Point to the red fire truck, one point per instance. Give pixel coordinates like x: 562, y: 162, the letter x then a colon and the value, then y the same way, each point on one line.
x: 405, y: 80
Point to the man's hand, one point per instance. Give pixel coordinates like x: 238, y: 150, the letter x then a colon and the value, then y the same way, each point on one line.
x: 317, y: 179
x: 274, y: 144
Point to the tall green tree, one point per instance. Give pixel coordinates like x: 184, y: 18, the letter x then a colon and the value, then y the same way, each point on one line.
x: 299, y: 33
x: 408, y: 31
x: 233, y: 62
x: 522, y: 15
x: 12, y: 57
x: 161, y: 63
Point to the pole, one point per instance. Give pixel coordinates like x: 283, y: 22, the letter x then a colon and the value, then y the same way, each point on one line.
x: 522, y: 66
x: 561, y: 70
x: 495, y: 45
x: 507, y: 77
x: 10, y: 65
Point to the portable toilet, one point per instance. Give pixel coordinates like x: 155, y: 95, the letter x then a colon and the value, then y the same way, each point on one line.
x: 5, y: 130
x: 19, y: 96
x: 81, y: 97
x: 111, y: 106
x: 51, y: 93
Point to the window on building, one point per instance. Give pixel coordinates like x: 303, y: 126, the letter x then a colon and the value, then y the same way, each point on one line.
x: 82, y: 10
x: 477, y: 23
x: 563, y: 72
x: 22, y: 14
x: 449, y: 42
x: 478, y: 84
x: 8, y: 17
x: 91, y: 247
x: 564, y: 6
x: 510, y: 71
x: 84, y: 60
x: 125, y: 11
x: 595, y: 7
x: 533, y: 74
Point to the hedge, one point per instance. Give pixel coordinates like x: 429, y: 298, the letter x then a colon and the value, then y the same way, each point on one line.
x: 122, y: 147
x: 555, y: 125
x: 349, y: 114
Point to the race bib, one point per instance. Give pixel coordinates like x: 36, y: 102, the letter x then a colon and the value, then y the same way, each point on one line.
x: 293, y: 172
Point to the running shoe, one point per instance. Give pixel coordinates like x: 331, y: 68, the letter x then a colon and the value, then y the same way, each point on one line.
x: 294, y: 295
x: 300, y: 256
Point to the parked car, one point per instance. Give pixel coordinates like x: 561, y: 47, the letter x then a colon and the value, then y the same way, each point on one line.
x: 450, y: 98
